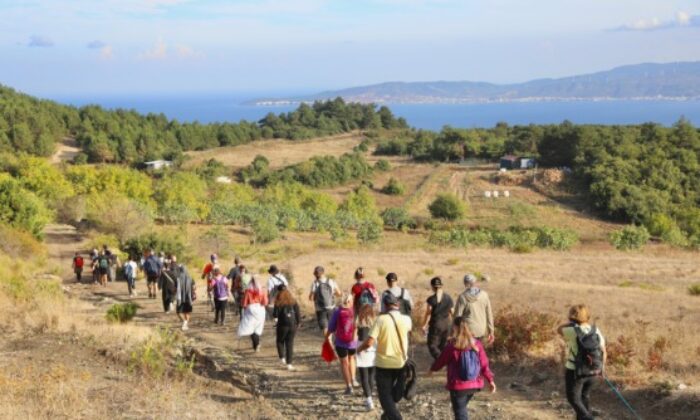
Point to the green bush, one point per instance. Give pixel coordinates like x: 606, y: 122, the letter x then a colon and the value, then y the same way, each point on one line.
x: 664, y: 227
x: 694, y: 289
x: 516, y: 238
x: 398, y: 218
x: 394, y: 187
x: 382, y: 165
x: 264, y: 231
x: 21, y: 208
x: 447, y: 206
x: 369, y: 231
x: 629, y: 237
x: 163, y: 241
x: 121, y: 312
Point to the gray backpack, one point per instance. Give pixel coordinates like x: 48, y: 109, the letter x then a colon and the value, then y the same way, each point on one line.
x: 324, y: 294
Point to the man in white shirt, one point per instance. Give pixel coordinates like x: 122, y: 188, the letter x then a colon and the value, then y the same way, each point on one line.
x: 323, y: 293
x: 275, y: 280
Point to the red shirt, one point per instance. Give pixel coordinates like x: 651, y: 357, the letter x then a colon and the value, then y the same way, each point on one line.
x: 357, y: 289
x: 78, y: 262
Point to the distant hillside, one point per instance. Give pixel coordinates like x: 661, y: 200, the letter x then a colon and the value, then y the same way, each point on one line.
x: 677, y: 81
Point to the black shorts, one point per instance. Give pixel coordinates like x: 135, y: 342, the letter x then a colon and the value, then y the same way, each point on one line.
x: 184, y: 307
x: 343, y: 352
x: 151, y: 279
x: 102, y: 271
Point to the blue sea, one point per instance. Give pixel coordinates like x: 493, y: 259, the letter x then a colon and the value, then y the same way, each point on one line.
x: 231, y: 108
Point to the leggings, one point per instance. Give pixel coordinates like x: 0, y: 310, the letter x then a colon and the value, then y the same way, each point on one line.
x: 256, y: 341
x: 367, y: 380
x: 220, y: 313
x: 285, y: 343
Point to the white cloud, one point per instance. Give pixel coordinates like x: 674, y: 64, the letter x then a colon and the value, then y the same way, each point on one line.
x: 682, y: 19
x: 40, y: 41
x: 159, y: 51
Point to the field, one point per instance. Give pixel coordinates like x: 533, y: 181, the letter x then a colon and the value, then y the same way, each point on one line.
x: 639, y: 299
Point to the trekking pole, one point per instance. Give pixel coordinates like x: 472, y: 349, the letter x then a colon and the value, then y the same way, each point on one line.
x: 619, y: 395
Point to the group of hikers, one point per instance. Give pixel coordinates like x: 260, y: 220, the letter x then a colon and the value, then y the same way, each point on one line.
x: 368, y: 331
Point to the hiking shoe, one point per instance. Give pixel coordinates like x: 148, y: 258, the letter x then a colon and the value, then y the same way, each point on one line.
x: 290, y: 368
x: 348, y: 390
x: 185, y: 327
x: 369, y: 404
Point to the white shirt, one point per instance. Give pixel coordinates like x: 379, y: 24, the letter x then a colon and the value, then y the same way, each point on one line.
x: 274, y: 281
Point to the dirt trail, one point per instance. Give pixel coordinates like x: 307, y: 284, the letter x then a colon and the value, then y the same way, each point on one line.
x: 66, y: 150
x: 314, y: 390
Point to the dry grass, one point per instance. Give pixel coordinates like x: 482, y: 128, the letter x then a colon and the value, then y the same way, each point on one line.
x: 279, y: 152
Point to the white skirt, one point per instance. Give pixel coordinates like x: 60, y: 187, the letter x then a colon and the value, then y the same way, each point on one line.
x: 366, y: 359
x: 253, y: 320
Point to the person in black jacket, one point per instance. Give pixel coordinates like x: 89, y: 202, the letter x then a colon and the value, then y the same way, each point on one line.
x: 288, y: 316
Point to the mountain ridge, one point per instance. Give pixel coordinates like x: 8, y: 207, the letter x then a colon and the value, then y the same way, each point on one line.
x: 645, y: 81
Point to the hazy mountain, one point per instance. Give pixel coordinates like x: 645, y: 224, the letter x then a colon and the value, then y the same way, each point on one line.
x: 679, y: 81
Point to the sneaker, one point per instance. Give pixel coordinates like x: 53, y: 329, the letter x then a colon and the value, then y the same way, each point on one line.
x: 185, y: 327
x: 284, y: 361
x: 290, y: 368
x: 355, y: 383
x: 257, y: 349
x: 348, y: 390
x: 369, y: 404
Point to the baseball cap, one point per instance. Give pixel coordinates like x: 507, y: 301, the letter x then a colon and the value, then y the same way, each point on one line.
x: 436, y: 282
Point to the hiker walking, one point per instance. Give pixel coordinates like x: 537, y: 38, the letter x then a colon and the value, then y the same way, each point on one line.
x: 207, y: 276
x: 236, y: 269
x: 220, y: 291
x: 323, y: 293
x: 390, y: 333
x: 152, y: 267
x: 167, y: 286
x: 103, y: 268
x: 436, y: 322
x: 467, y: 367
x: 94, y: 255
x: 288, y: 316
x: 77, y: 265
x: 185, y: 293
x: 130, y: 268
x: 275, y: 280
x: 585, y: 359
x: 474, y: 305
x: 363, y: 292
x: 239, y: 284
x: 342, y: 326
x: 253, y: 319
x: 366, y: 359
x: 403, y: 296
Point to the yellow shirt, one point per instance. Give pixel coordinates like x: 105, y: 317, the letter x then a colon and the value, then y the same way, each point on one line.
x: 389, y: 354
x: 572, y: 346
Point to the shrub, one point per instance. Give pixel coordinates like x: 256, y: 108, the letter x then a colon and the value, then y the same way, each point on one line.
x: 21, y: 208
x: 447, y: 206
x: 398, y: 218
x: 121, y: 312
x: 558, y: 239
x: 382, y: 165
x: 621, y: 351
x: 394, y: 187
x: 369, y: 231
x: 629, y: 237
x: 163, y: 241
x: 521, y: 331
x: 264, y: 231
x: 694, y: 289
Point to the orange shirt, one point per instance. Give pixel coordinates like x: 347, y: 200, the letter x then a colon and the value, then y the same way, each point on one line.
x: 254, y: 295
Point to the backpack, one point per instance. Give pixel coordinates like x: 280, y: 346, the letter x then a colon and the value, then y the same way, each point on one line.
x: 151, y: 267
x: 220, y: 288
x: 404, y: 304
x: 274, y: 292
x: 469, y: 365
x: 103, y: 262
x: 589, y: 359
x: 324, y: 294
x: 128, y: 270
x: 368, y: 296
x: 345, y: 325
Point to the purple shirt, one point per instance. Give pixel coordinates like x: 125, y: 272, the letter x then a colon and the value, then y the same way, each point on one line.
x: 333, y: 325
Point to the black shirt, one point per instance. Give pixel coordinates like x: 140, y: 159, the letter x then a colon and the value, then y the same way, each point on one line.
x: 440, y: 313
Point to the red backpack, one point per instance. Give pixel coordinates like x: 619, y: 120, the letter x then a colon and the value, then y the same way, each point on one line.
x: 345, y: 327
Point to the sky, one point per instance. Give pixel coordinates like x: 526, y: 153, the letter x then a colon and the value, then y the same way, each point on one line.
x: 85, y: 48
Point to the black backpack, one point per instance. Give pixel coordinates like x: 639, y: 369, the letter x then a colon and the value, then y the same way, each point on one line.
x: 589, y: 359
x: 404, y: 304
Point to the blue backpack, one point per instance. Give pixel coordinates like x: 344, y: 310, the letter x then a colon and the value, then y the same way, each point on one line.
x: 469, y: 365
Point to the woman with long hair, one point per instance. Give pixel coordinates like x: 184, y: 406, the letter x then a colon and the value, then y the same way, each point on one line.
x: 464, y: 381
x: 288, y: 316
x: 253, y: 320
x: 366, y: 359
x: 342, y: 326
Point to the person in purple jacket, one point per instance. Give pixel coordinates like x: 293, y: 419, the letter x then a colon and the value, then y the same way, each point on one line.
x: 461, y: 391
x: 342, y: 325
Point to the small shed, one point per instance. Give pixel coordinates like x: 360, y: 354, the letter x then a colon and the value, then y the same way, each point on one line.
x: 223, y: 179
x: 155, y: 165
x: 527, y: 162
x: 509, y: 162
